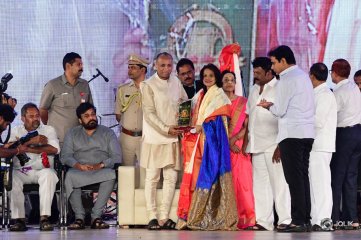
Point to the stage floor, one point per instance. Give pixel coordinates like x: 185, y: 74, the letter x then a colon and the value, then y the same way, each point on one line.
x: 143, y: 234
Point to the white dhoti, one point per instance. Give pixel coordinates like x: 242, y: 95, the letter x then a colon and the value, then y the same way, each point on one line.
x: 320, y: 186
x: 46, y: 178
x: 269, y: 186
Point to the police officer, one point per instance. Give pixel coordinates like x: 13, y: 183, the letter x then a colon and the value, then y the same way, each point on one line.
x: 128, y: 110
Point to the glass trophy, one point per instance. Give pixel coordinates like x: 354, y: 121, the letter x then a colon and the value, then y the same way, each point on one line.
x: 184, y: 115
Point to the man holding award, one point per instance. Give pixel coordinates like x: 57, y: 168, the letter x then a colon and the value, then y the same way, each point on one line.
x: 161, y: 95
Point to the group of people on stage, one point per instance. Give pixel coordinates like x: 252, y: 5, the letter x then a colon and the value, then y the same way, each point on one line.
x: 293, y: 145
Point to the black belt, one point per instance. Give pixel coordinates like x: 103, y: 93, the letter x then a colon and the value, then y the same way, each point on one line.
x: 131, y: 133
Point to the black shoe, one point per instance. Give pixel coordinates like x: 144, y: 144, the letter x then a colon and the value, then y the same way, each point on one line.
x: 19, y: 226
x: 294, y: 228
x: 318, y: 228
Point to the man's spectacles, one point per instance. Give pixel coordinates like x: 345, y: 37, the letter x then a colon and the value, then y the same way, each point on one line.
x: 186, y: 73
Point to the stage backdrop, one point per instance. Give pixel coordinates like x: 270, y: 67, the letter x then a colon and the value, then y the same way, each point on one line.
x: 36, y: 34
x: 317, y: 31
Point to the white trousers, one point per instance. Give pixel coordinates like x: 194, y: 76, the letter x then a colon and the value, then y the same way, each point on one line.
x: 46, y: 178
x: 320, y: 186
x: 270, y: 186
x: 152, y: 177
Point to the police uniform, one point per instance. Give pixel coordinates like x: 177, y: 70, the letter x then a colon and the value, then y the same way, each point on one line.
x: 129, y: 106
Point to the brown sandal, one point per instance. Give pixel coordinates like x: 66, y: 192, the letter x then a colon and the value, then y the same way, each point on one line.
x: 77, y: 225
x: 98, y: 223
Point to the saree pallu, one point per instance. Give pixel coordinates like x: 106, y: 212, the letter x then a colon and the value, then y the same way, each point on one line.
x: 241, y: 168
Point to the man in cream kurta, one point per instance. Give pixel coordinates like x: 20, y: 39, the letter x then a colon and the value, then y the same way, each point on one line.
x: 160, y: 147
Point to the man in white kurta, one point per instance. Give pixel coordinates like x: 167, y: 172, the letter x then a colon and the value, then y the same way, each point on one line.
x: 269, y: 183
x: 38, y: 170
x: 160, y: 150
x: 322, y: 148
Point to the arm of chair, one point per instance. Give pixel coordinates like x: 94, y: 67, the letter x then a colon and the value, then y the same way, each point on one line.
x: 126, y: 191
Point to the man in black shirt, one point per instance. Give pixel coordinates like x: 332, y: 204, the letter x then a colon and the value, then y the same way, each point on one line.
x: 186, y: 74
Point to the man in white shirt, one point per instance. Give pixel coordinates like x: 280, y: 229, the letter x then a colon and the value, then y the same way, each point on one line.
x: 294, y: 107
x: 322, y: 148
x: 345, y: 160
x: 269, y: 183
x: 39, y: 169
x: 161, y: 94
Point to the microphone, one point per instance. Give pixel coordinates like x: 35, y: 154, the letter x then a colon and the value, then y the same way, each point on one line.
x: 101, y: 74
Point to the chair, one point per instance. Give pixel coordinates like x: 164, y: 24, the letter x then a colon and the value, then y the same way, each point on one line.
x: 131, y: 197
x: 86, y: 189
x: 32, y: 188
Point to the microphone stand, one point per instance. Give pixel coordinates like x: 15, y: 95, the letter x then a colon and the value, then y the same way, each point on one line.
x: 94, y: 77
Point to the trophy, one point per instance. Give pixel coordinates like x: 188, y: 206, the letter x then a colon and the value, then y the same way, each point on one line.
x: 184, y: 115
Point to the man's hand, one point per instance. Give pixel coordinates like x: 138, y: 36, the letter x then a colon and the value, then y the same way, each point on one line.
x: 98, y: 166
x: 38, y: 140
x: 83, y: 167
x: 173, y: 131
x: 276, y: 158
x: 263, y: 103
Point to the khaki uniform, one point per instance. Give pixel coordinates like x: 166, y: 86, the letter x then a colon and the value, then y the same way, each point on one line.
x: 129, y: 106
x: 61, y: 100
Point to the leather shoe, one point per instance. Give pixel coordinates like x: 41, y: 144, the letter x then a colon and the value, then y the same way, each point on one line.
x: 19, y: 226
x: 318, y: 228
x: 294, y: 228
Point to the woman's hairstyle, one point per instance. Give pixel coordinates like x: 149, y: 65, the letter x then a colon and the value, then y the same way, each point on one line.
x: 217, y: 75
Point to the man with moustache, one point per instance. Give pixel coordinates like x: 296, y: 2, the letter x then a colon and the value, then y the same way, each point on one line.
x: 62, y: 95
x: 90, y: 150
x: 128, y: 110
x: 160, y: 151
x: 186, y: 74
x: 39, y: 169
x: 269, y: 184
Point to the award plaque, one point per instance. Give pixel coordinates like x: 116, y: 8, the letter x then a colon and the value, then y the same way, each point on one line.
x: 184, y: 115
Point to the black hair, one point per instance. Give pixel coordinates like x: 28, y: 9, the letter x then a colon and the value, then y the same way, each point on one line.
x: 320, y: 71
x: 184, y: 61
x: 26, y: 107
x: 357, y: 73
x: 70, y: 58
x: 7, y: 112
x: 262, y: 62
x: 283, y: 51
x: 83, y: 107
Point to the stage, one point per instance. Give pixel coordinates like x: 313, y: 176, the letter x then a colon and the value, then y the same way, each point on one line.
x: 115, y: 232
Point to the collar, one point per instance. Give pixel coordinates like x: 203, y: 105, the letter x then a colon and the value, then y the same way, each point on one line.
x: 272, y: 83
x: 65, y: 81
x: 287, y: 70
x: 320, y: 87
x: 343, y: 82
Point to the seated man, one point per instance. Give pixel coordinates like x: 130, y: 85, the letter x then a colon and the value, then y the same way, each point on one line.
x: 39, y: 169
x: 91, y: 150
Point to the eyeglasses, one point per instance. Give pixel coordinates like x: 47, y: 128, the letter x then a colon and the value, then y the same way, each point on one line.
x: 186, y: 73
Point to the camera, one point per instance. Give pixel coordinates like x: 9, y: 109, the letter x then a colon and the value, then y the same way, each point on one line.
x: 23, y: 158
x: 3, y: 86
